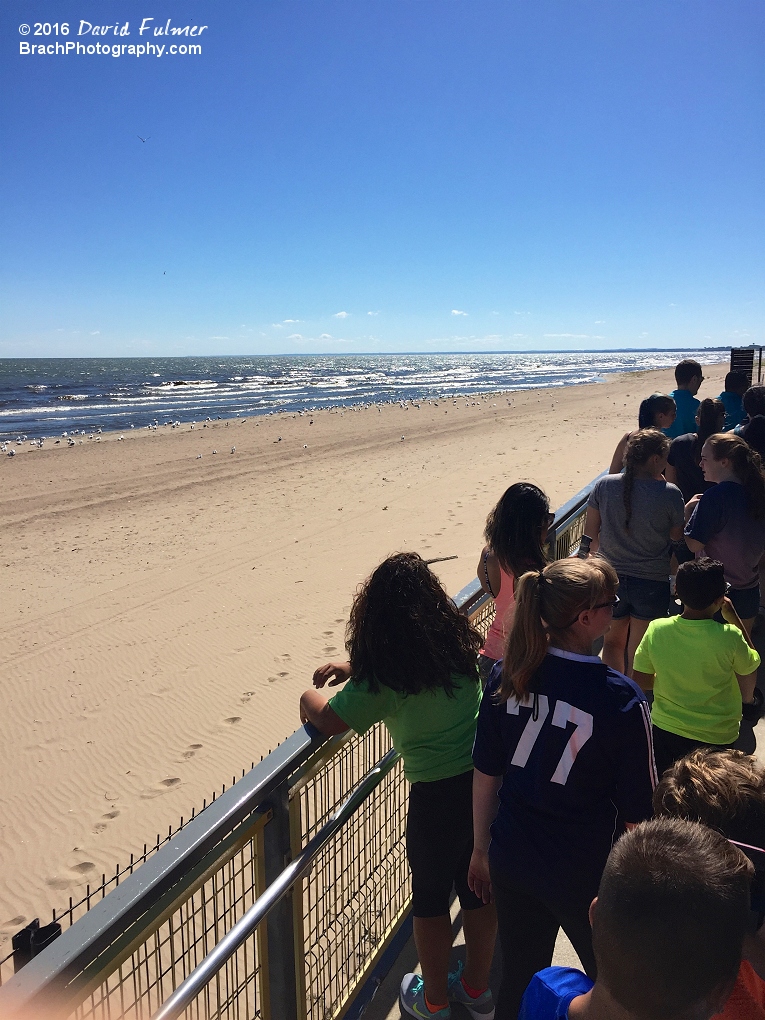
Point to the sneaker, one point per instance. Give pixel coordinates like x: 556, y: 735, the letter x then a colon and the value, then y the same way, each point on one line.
x: 480, y: 1008
x: 412, y: 999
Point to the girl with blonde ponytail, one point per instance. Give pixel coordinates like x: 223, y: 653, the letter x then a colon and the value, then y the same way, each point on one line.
x: 636, y: 516
x: 563, y: 763
x: 727, y: 521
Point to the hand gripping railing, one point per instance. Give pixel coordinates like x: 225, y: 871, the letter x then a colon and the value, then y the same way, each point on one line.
x: 245, y: 927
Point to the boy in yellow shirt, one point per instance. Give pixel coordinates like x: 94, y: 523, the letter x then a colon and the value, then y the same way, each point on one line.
x: 700, y: 671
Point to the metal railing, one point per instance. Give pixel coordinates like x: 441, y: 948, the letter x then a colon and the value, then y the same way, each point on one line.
x: 322, y: 939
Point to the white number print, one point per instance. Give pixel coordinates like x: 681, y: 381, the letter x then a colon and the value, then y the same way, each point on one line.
x: 532, y: 728
x: 562, y: 715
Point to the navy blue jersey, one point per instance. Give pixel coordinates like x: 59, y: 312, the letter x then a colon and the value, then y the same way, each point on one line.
x: 577, y: 762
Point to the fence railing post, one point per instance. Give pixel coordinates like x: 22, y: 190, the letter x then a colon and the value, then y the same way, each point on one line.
x: 281, y: 973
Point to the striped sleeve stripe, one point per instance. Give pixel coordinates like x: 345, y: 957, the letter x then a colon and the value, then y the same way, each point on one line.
x: 646, y: 712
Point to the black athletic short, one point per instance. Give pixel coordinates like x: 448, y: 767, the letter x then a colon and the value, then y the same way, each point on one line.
x: 439, y: 844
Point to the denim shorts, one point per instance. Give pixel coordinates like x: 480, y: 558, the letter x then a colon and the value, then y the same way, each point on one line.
x: 642, y: 598
x: 746, y: 601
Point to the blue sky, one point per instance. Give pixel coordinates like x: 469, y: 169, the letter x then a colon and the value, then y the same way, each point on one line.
x: 383, y: 175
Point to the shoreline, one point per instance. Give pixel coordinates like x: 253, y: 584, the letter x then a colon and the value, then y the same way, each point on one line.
x: 295, y: 396
x: 191, y: 594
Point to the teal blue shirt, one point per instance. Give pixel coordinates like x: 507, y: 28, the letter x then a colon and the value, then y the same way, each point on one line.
x: 685, y: 422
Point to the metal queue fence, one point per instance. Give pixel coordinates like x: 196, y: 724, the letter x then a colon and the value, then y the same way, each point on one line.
x: 323, y: 937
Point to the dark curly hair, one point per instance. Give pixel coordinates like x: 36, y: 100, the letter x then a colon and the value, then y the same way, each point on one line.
x: 514, y: 528
x: 405, y: 633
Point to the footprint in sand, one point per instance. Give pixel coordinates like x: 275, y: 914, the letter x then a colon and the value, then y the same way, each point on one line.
x: 57, y: 883
x: 328, y: 633
x: 329, y: 649
x: 196, y: 747
x: 99, y: 827
x: 84, y: 867
x: 170, y: 782
x: 187, y: 754
x: 232, y: 719
x: 20, y: 919
x: 273, y: 679
x: 110, y: 814
x: 246, y: 695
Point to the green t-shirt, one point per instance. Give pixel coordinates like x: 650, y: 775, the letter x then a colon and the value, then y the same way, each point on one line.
x: 432, y: 731
x: 696, y: 694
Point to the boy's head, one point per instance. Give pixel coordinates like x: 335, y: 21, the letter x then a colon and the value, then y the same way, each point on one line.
x: 722, y: 789
x: 700, y: 583
x: 754, y: 401
x: 670, y: 919
x: 688, y: 375
x: 736, y: 382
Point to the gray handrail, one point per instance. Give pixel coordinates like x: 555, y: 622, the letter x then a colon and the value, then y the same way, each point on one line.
x: 55, y: 972
x: 246, y: 925
x: 47, y: 976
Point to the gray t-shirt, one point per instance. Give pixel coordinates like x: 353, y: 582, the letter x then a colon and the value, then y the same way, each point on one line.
x: 643, y: 550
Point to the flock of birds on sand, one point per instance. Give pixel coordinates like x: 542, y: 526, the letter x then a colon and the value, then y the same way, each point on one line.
x: 7, y: 447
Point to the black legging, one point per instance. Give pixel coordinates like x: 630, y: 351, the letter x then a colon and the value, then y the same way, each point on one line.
x: 528, y: 927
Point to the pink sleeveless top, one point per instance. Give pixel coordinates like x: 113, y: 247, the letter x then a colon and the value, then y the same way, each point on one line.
x: 494, y: 647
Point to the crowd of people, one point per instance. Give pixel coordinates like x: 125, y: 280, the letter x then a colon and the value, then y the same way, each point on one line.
x: 553, y: 786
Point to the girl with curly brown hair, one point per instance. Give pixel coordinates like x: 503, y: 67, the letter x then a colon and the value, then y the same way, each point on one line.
x: 636, y: 516
x: 412, y: 665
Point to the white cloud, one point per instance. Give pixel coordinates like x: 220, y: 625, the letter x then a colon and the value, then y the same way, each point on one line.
x: 373, y: 313
x: 340, y: 315
x: 96, y: 332
x: 325, y: 336
x: 219, y: 338
x: 277, y: 325
x: 495, y: 313
x: 456, y: 311
x: 295, y: 336
x: 642, y: 335
x: 672, y: 304
x: 290, y: 320
x: 568, y: 336
x: 600, y: 322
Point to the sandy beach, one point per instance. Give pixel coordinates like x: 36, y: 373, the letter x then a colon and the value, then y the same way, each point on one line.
x: 162, y: 610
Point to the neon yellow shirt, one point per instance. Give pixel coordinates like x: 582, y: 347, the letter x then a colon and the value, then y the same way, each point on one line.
x: 696, y: 694
x: 432, y: 731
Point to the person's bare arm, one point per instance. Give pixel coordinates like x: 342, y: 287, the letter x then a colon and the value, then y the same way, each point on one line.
x: 337, y: 671
x: 643, y: 680
x: 489, y: 563
x: 485, y: 807
x: 617, y: 461
x: 729, y: 614
x: 670, y: 473
x: 315, y: 709
x: 676, y: 533
x: 747, y: 684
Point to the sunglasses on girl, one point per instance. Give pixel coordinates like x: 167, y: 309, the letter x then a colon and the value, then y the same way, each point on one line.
x: 611, y: 604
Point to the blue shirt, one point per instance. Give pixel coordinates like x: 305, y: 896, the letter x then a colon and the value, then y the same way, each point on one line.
x: 734, y: 409
x: 550, y: 993
x: 687, y: 406
x: 572, y: 776
x: 729, y: 533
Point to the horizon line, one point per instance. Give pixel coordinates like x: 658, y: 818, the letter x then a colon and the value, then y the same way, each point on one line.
x: 365, y: 354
